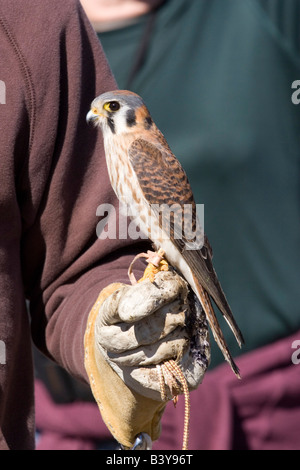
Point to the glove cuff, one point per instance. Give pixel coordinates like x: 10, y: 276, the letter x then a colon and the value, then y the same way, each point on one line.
x: 125, y: 412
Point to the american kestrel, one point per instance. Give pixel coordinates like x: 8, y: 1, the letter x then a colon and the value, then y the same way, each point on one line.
x: 146, y: 176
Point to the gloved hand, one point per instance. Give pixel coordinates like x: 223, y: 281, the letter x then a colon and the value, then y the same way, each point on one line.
x: 130, y: 330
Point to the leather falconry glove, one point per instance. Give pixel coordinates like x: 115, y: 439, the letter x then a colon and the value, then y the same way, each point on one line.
x: 131, y: 330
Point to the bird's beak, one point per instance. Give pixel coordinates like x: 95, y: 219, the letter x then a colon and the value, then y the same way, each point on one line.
x: 91, y: 116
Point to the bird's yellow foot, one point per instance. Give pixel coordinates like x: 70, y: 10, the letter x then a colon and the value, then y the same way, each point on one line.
x: 156, y: 263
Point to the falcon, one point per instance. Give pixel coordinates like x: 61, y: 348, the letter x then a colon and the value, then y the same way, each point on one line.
x: 146, y: 176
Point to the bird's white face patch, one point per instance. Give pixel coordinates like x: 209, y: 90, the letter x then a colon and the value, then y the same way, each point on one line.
x: 120, y: 119
x: 119, y: 122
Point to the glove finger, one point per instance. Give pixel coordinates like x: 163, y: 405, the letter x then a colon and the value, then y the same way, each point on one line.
x: 147, y: 297
x: 124, y: 337
x: 153, y: 353
x: 132, y: 303
x: 145, y: 380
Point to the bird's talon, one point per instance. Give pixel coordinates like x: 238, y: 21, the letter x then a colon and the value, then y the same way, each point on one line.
x: 155, y: 257
x: 156, y: 263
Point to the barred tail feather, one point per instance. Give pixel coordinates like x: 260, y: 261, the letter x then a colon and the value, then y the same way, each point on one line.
x: 215, y: 327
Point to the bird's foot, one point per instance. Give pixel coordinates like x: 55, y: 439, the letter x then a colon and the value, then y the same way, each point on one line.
x: 156, y: 263
x: 156, y: 257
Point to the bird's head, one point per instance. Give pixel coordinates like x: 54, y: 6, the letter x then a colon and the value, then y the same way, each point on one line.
x: 119, y: 112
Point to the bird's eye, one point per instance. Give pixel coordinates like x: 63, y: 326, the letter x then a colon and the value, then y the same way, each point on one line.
x: 112, y: 106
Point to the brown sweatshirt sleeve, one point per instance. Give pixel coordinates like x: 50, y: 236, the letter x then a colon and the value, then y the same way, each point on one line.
x: 53, y: 175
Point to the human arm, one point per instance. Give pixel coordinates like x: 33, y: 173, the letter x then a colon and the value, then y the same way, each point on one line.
x: 55, y: 169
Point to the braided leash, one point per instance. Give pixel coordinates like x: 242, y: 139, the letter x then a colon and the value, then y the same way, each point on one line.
x: 169, y: 372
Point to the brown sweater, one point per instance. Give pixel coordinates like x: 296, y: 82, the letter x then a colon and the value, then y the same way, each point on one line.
x: 52, y: 178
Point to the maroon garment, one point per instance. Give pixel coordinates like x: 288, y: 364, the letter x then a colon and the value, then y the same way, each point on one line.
x: 52, y: 178
x: 259, y: 412
x: 71, y: 426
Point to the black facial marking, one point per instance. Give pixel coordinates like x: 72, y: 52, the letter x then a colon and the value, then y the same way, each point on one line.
x: 148, y: 123
x: 131, y: 118
x: 111, y: 124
